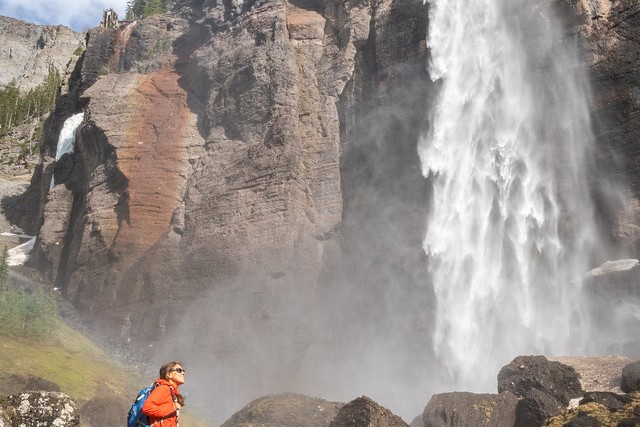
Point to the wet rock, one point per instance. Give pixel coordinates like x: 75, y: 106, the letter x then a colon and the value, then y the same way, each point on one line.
x: 463, y: 409
x: 285, y: 410
x: 525, y: 373
x: 630, y: 422
x: 611, y: 401
x: 536, y: 407
x: 631, y: 378
x: 364, y: 412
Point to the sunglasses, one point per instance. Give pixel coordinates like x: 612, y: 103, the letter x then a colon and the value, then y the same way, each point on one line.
x: 179, y: 370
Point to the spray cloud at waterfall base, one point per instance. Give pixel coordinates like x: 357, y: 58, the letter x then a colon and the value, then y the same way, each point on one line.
x: 510, y: 233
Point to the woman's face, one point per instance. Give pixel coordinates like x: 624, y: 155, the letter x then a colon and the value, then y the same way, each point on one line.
x: 176, y: 374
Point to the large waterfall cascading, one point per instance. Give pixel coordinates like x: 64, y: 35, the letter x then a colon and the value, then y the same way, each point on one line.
x: 511, y: 227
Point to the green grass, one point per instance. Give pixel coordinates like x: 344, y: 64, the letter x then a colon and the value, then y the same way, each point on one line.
x: 603, y: 415
x: 79, y: 367
x: 69, y: 359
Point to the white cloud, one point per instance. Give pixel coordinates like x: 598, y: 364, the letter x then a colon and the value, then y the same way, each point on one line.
x: 79, y: 15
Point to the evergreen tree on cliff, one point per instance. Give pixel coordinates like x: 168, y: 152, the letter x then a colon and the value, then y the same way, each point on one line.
x: 142, y: 8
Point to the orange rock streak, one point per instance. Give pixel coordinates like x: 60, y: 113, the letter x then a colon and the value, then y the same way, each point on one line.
x: 153, y: 161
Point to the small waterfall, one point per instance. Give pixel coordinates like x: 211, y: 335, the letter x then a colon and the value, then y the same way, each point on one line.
x: 18, y: 255
x: 67, y: 138
x: 117, y: 62
x: 511, y: 229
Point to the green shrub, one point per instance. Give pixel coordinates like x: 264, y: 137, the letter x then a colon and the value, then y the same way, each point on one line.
x: 79, y: 50
x: 23, y: 314
x: 144, y: 8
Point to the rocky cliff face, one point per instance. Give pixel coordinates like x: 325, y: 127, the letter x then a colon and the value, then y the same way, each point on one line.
x: 28, y: 50
x: 246, y: 176
x: 610, y: 37
x: 211, y: 151
x: 238, y: 162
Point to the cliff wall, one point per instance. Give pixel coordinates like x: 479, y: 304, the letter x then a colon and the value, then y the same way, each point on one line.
x: 28, y: 50
x: 610, y: 42
x: 246, y: 176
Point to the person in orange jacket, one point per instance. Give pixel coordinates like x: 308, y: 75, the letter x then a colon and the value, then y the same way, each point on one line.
x: 162, y: 407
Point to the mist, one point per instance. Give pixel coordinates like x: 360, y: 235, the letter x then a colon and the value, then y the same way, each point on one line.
x: 468, y: 227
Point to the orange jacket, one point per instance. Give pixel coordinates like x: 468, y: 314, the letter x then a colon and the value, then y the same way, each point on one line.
x: 159, y: 406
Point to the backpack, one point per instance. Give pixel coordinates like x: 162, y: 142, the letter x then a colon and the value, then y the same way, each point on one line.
x: 136, y: 418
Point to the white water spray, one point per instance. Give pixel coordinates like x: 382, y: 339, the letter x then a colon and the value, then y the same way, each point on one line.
x: 511, y: 228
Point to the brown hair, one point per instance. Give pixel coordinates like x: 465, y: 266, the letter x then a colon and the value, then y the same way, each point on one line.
x: 166, y: 369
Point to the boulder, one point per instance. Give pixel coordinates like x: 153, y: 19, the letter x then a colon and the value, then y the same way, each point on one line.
x: 612, y: 401
x: 285, y: 410
x: 631, y: 378
x: 535, y: 408
x: 364, y: 412
x: 41, y: 408
x: 103, y: 410
x: 630, y: 422
x: 525, y: 373
x: 15, y: 384
x: 463, y: 409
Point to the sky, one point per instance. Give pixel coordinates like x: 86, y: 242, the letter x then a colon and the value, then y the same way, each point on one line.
x: 79, y: 15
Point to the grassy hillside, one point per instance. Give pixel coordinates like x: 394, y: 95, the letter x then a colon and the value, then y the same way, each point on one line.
x: 67, y: 359
x: 102, y: 386
x: 80, y: 369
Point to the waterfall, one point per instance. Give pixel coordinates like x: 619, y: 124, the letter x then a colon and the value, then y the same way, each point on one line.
x: 117, y: 61
x: 67, y: 138
x: 511, y: 226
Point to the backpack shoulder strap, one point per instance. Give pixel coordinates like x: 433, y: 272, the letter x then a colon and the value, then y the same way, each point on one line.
x: 173, y: 395
x: 175, y: 400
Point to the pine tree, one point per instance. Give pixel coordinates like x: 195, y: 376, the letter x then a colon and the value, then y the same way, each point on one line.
x: 17, y: 108
x: 152, y: 7
x: 8, y: 100
x: 130, y: 14
x: 137, y: 8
